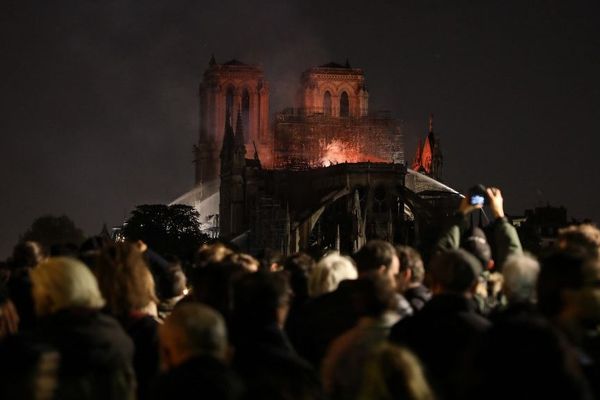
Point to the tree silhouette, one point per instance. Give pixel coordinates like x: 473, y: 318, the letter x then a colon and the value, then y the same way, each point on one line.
x: 50, y: 230
x: 169, y: 230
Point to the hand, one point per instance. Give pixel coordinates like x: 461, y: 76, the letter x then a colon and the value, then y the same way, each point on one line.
x: 466, y: 207
x: 496, y: 202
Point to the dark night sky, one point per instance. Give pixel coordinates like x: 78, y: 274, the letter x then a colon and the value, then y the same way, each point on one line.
x: 99, y: 106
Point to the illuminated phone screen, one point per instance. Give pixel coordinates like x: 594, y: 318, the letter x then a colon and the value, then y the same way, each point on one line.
x: 477, y: 200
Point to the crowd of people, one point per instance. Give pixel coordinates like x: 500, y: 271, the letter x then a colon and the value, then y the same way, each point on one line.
x: 482, y: 319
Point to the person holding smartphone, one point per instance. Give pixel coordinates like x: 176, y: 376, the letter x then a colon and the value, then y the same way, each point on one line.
x: 501, y: 236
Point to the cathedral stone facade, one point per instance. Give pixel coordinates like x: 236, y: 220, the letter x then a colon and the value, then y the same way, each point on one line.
x: 328, y: 171
x: 330, y: 124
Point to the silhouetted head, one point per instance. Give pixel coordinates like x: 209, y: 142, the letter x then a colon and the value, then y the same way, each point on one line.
x: 124, y: 279
x: 520, y: 273
x: 329, y: 272
x: 476, y: 243
x: 454, y: 271
x: 412, y: 270
x: 261, y: 299
x: 569, y: 287
x: 27, y: 255
x: 213, y: 284
x: 378, y: 255
x: 299, y: 266
x: 583, y: 238
x: 373, y: 295
x: 60, y: 283
x: 192, y: 329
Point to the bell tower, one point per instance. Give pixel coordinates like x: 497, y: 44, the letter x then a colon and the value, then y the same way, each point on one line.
x: 230, y: 89
x: 334, y: 90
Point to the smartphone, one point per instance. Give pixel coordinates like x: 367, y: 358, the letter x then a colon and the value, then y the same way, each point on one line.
x: 477, y: 200
x: 477, y: 195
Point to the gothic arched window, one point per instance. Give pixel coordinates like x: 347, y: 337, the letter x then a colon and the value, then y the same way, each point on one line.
x: 327, y: 103
x: 246, y: 114
x: 229, y: 104
x: 344, y: 105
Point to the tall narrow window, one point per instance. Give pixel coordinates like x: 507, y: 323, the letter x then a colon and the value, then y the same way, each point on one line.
x: 327, y: 103
x: 344, y: 105
x: 229, y: 104
x: 246, y: 114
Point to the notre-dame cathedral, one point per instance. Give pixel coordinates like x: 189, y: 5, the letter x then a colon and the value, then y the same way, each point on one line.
x: 328, y: 171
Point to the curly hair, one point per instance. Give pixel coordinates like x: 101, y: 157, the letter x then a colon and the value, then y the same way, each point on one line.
x: 329, y: 272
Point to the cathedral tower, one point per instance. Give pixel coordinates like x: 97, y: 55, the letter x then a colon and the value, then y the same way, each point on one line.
x: 230, y: 89
x: 335, y: 90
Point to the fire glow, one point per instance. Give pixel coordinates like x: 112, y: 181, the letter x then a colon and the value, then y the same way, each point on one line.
x: 337, y: 151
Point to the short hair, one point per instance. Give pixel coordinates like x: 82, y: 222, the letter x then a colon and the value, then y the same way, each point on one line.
x: 124, y: 278
x: 456, y: 271
x: 329, y: 272
x: 584, y: 237
x: 213, y: 284
x: 258, y: 296
x: 300, y: 262
x: 373, y: 295
x: 202, y: 329
x: 63, y: 282
x: 374, y: 255
x: 520, y: 273
x: 411, y: 259
x: 299, y: 267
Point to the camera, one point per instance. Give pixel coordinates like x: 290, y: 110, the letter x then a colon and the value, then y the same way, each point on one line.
x: 478, y: 195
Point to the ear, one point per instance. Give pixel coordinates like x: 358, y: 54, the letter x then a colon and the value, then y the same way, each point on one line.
x: 490, y: 265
